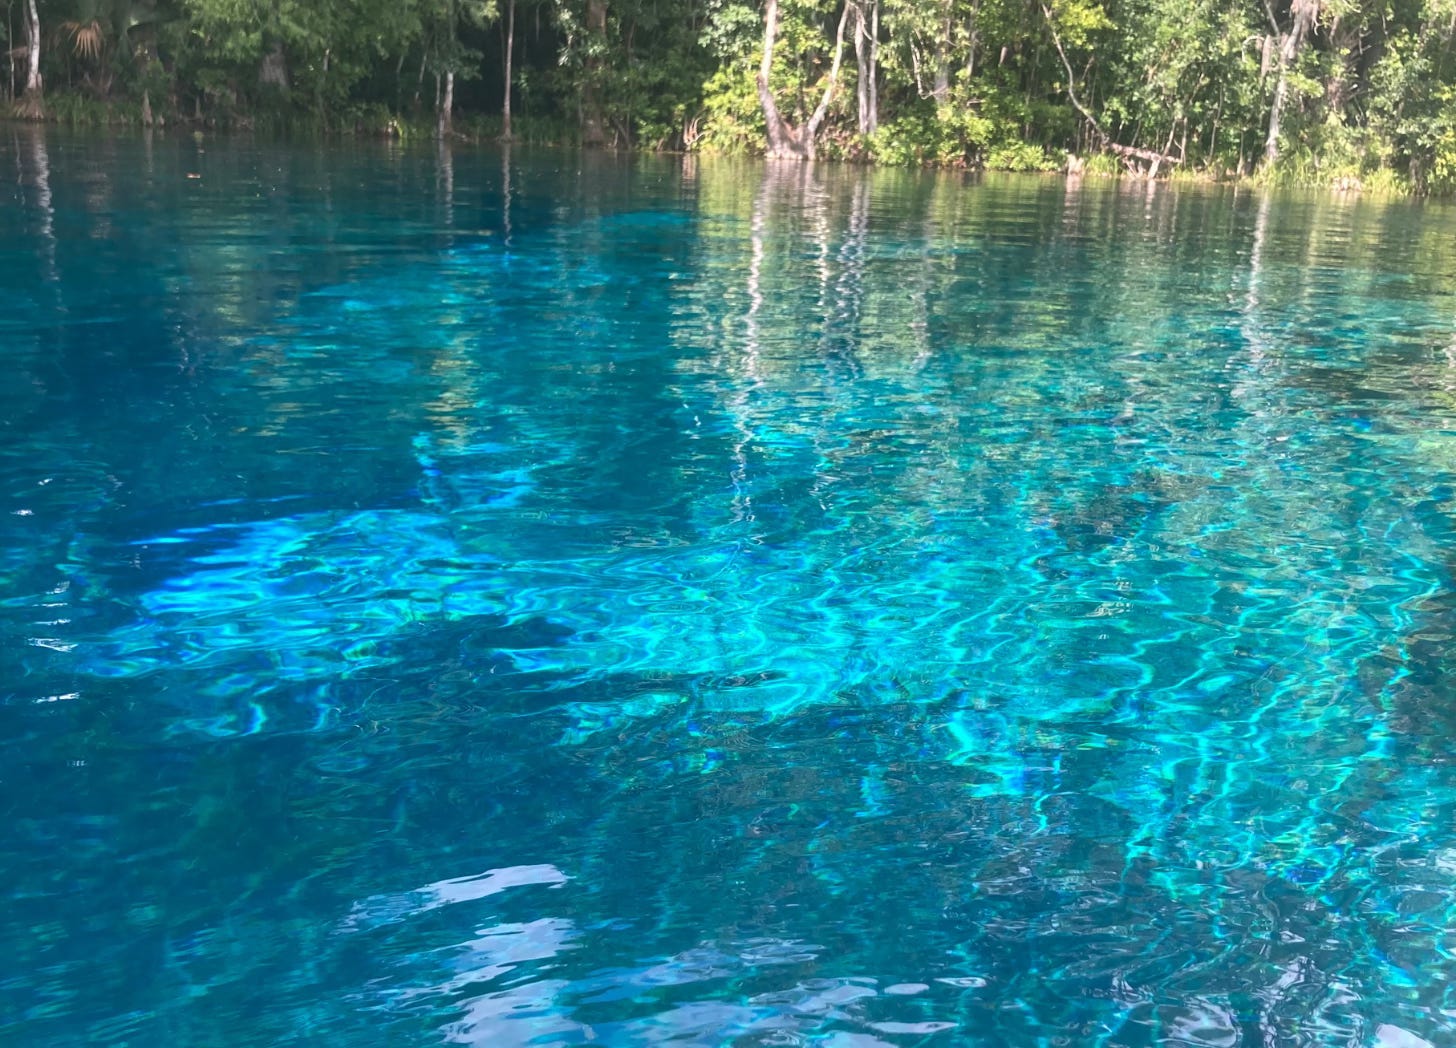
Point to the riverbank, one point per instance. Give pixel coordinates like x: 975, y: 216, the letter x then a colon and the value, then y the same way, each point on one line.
x: 79, y: 113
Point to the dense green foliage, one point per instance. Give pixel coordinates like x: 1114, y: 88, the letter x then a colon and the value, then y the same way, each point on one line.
x: 1333, y: 91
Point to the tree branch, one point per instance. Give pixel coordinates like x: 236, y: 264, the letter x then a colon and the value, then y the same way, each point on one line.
x: 823, y: 108
x: 1273, y: 22
x: 1072, y: 78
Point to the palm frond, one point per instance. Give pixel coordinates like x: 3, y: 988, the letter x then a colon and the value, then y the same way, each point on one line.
x: 86, y: 37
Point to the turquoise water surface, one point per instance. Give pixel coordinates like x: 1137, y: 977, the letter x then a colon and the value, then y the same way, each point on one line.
x: 539, y: 599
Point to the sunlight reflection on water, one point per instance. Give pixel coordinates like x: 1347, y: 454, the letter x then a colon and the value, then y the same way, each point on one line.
x: 528, y: 599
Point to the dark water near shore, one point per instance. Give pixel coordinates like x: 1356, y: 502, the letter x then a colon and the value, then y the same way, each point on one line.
x: 540, y: 599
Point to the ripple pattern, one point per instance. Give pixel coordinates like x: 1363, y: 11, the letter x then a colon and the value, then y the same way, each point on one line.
x: 587, y: 601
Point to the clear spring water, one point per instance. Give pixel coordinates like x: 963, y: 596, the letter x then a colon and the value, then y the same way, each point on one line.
x: 539, y: 599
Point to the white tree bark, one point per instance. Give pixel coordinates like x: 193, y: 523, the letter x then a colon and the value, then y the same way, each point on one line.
x: 510, y: 47
x: 866, y: 52
x: 31, y: 105
x: 445, y: 123
x: 786, y: 142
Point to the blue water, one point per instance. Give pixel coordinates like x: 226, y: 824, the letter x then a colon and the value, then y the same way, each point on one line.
x: 546, y: 600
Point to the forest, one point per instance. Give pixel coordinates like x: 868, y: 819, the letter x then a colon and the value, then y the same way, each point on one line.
x: 1355, y: 94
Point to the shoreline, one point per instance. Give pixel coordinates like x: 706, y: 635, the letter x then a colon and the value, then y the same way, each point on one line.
x: 479, y: 130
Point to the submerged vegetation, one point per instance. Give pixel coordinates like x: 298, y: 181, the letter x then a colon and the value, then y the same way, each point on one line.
x: 1349, y: 93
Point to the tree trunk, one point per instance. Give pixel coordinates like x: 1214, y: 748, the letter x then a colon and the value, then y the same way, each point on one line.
x: 1302, y: 14
x: 1276, y: 112
x: 273, y: 70
x: 866, y: 53
x: 862, y: 66
x: 444, y: 125
x: 941, y: 90
x: 783, y: 138
x: 32, y: 103
x: 593, y: 127
x: 1345, y: 49
x: 874, y: 67
x: 786, y: 142
x: 510, y: 47
x: 973, y: 39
